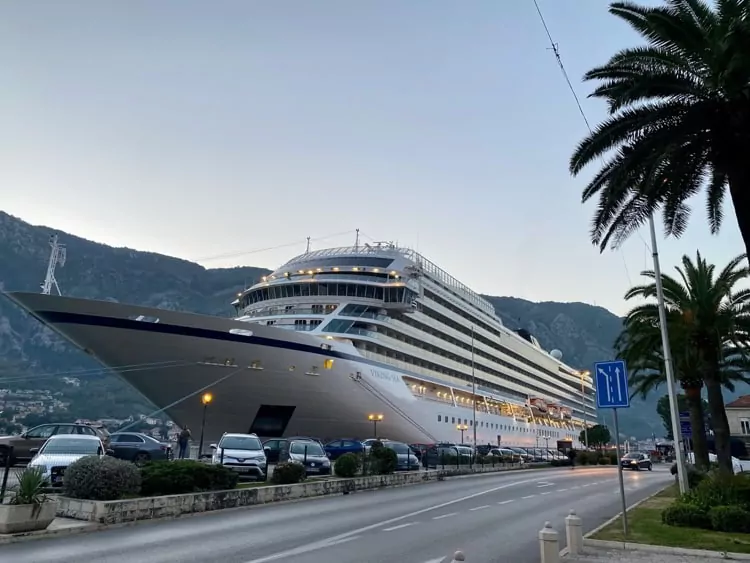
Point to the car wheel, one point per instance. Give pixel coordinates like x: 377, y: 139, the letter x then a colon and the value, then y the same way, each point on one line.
x: 650, y: 467
x: 141, y: 458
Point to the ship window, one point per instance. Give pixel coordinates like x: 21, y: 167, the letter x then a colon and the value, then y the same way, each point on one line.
x: 361, y: 291
x: 313, y: 289
x: 323, y: 289
x: 305, y: 290
x: 440, y: 419
x: 370, y: 291
x: 297, y: 290
x: 379, y: 293
x: 351, y: 290
x: 453, y: 420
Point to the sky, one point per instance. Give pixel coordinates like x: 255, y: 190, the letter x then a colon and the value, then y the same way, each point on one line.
x: 227, y: 132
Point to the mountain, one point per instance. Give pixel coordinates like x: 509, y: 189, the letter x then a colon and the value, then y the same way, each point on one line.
x: 33, y: 357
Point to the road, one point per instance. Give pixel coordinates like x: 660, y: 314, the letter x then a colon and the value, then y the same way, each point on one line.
x: 491, y: 518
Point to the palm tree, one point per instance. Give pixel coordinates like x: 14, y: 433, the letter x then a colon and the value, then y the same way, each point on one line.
x: 679, y: 119
x: 639, y: 345
x: 711, y: 331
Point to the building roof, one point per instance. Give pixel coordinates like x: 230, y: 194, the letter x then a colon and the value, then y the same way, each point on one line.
x: 742, y: 402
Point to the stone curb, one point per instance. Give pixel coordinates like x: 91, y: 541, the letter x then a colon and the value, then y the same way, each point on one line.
x: 626, y: 546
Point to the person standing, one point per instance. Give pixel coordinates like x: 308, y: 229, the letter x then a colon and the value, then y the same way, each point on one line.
x: 183, y: 441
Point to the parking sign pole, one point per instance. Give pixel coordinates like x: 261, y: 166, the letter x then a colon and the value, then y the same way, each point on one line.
x: 619, y: 474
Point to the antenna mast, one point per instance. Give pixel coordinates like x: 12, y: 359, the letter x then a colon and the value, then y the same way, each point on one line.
x: 356, y: 241
x: 58, y: 254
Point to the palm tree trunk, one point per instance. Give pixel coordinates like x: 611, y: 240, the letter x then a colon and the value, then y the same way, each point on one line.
x: 739, y: 190
x: 697, y: 422
x: 720, y: 424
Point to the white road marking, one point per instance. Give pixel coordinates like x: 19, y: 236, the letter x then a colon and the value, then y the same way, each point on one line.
x: 506, y: 502
x: 399, y: 527
x: 547, y: 493
x: 306, y: 549
x: 445, y: 515
x: 438, y: 560
x: 336, y: 539
x: 540, y: 485
x: 530, y: 496
x: 561, y: 490
x: 479, y: 508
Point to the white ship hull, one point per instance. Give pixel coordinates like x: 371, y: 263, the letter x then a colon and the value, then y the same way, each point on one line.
x: 263, y: 379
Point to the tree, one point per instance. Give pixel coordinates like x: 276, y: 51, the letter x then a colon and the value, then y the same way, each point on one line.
x: 598, y: 436
x: 709, y: 331
x: 640, y: 345
x: 679, y: 119
x: 662, y: 409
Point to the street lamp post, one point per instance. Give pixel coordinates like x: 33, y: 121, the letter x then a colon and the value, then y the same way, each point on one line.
x: 374, y: 418
x: 473, y: 389
x: 206, y: 399
x: 463, y: 428
x: 584, y: 374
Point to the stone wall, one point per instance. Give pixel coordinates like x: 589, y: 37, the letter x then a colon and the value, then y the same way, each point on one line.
x: 172, y: 506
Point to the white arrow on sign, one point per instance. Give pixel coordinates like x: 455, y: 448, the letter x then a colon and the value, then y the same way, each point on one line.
x: 606, y: 381
x: 619, y: 385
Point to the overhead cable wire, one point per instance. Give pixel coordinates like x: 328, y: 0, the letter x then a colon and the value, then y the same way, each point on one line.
x: 558, y: 57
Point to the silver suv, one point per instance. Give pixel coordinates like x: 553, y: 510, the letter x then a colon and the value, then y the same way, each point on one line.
x: 242, y: 453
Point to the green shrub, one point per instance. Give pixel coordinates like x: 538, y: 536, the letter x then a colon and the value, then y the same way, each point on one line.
x: 604, y: 460
x: 288, y: 473
x: 185, y: 476
x: 582, y: 458
x: 720, y: 490
x: 555, y: 463
x: 347, y: 465
x: 686, y: 515
x: 101, y: 478
x: 30, y: 487
x: 730, y: 519
x: 383, y: 461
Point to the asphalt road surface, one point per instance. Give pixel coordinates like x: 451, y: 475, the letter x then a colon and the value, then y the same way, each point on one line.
x: 491, y: 518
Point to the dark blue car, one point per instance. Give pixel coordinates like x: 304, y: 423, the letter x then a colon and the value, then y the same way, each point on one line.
x: 337, y: 448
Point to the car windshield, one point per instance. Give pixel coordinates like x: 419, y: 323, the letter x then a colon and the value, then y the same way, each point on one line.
x: 398, y: 447
x: 519, y: 451
x: 464, y: 451
x: 632, y: 456
x: 240, y: 443
x: 313, y: 448
x: 72, y: 446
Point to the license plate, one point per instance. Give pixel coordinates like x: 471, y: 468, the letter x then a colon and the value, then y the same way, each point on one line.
x: 241, y: 469
x: 57, y: 479
x: 314, y: 470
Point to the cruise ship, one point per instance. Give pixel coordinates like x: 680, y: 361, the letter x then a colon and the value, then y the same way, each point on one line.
x: 360, y: 341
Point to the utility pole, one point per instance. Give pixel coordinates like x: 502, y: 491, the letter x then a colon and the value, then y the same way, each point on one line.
x: 671, y: 391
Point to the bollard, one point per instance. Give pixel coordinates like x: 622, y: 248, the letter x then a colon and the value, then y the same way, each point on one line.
x: 548, y: 545
x: 458, y: 556
x: 574, y: 533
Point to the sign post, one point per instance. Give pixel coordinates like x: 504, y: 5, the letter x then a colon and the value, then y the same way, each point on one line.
x: 612, y: 393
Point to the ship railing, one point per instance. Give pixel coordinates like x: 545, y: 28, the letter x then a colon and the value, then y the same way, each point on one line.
x: 423, y: 263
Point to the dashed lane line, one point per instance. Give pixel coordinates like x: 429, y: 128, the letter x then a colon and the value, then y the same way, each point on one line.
x: 479, y: 507
x: 392, y: 528
x: 445, y: 515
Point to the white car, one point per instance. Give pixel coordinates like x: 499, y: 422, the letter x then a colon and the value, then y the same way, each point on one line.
x: 59, y: 451
x: 242, y: 453
x: 738, y: 465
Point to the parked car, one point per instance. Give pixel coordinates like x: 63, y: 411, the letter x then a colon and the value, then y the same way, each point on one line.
x: 273, y: 446
x: 59, y: 451
x: 242, y: 453
x: 34, y: 438
x: 524, y: 454
x: 420, y: 449
x: 636, y: 461
x: 337, y: 448
x: 506, y: 455
x: 442, y: 453
x: 139, y: 448
x: 406, y: 459
x: 308, y: 453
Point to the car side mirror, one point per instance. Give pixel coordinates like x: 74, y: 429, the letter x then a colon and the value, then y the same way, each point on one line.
x: 213, y: 446
x: 34, y: 451
x: 109, y: 451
